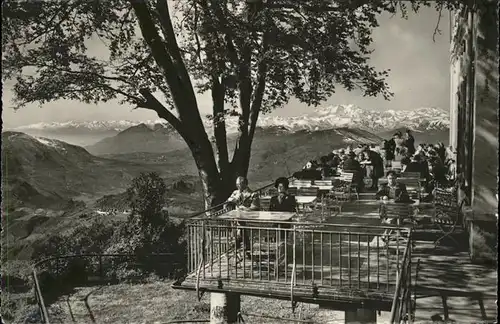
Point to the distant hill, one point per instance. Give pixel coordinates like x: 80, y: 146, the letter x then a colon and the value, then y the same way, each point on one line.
x: 140, y: 138
x: 429, y: 136
x: 275, y: 151
x: 43, y: 172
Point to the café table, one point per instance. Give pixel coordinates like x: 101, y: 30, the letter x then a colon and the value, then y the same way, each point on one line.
x: 320, y: 187
x: 257, y: 216
x: 301, y: 200
x: 384, y: 180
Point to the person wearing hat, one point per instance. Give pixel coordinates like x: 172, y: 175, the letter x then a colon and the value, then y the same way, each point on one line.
x: 283, y: 201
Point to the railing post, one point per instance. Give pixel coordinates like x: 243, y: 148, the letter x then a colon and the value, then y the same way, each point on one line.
x: 100, y: 268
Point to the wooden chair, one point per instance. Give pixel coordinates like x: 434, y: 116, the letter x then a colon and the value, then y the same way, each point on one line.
x: 272, y: 191
x: 415, y: 175
x: 412, y: 186
x: 301, y: 183
x: 323, y: 182
x: 447, y: 213
x: 340, y: 193
x: 348, y: 177
x: 265, y: 202
x: 398, y: 213
x: 308, y: 191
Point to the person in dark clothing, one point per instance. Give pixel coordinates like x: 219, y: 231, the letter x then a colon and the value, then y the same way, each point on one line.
x: 410, y: 142
x: 416, y: 165
x: 404, y: 163
x: 377, y: 166
x: 352, y: 165
x: 335, y: 161
x: 393, y: 189
x: 308, y: 173
x: 283, y: 201
x: 389, y: 147
x: 325, y: 167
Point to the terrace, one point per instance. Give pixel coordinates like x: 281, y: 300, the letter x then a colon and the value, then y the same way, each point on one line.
x: 341, y: 259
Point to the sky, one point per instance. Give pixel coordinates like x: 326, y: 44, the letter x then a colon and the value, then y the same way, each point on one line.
x: 419, y: 77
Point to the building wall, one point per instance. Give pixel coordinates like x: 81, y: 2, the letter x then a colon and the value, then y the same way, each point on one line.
x: 485, y: 160
x: 474, y: 104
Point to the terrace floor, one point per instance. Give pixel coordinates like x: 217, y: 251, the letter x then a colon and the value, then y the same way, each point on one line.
x: 448, y: 287
x: 342, y: 269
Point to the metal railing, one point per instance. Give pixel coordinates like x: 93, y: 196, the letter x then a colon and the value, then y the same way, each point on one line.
x: 101, y: 269
x: 352, y: 257
x: 402, y: 308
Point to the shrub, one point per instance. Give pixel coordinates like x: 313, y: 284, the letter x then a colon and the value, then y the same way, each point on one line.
x: 149, y: 230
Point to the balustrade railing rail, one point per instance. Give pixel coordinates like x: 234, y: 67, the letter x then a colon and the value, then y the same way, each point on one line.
x: 402, y: 308
x: 348, y: 257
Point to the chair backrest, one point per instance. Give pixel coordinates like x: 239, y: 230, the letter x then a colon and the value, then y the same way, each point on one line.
x: 398, y: 210
x: 323, y: 182
x: 301, y: 183
x: 411, y: 183
x: 265, y: 202
x: 346, y: 176
x: 272, y: 191
x: 310, y: 191
x: 292, y: 191
x: 415, y: 175
x: 445, y: 198
x: 412, y: 186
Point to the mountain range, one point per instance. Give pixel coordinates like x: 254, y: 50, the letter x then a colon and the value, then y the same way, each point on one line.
x: 318, y: 119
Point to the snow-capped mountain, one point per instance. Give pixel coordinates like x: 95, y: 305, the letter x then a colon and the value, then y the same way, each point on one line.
x: 329, y: 117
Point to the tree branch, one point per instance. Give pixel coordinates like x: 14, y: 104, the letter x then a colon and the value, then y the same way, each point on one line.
x: 261, y: 86
x: 153, y: 104
x: 219, y: 124
x: 436, y: 29
x: 160, y: 54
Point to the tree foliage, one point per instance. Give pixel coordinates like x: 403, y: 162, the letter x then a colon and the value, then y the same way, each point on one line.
x: 148, y: 229
x: 252, y: 56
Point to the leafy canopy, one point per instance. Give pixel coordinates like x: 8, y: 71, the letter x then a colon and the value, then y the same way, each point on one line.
x: 308, y: 47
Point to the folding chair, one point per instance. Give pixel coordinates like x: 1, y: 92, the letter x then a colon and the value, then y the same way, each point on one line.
x: 447, y: 213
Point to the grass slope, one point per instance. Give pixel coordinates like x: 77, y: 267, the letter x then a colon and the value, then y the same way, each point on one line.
x: 139, y: 303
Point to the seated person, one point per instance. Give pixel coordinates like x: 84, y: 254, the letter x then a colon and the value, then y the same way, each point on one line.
x: 283, y: 201
x: 246, y: 200
x: 404, y: 163
x: 243, y: 198
x: 416, y: 165
x: 393, y: 189
x: 308, y: 173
